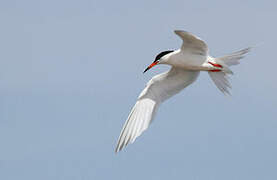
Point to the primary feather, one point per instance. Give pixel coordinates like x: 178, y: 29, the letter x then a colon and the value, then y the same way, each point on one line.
x: 157, y: 90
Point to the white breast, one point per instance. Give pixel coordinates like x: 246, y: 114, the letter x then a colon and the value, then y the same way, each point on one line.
x: 186, y: 60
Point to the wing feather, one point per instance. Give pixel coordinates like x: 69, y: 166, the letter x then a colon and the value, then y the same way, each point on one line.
x: 192, y: 43
x: 157, y: 90
x: 221, y: 81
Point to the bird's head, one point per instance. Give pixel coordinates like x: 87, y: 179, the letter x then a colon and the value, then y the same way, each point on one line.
x: 158, y: 60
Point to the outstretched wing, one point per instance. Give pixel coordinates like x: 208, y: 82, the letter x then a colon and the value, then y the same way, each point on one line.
x: 158, y: 89
x: 192, y: 43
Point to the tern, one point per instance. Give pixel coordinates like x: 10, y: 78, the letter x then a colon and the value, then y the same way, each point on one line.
x: 186, y: 64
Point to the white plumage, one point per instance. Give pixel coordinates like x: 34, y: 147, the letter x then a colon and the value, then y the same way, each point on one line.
x: 186, y: 63
x: 158, y: 89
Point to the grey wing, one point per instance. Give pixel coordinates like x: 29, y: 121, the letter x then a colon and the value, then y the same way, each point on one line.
x: 192, y: 43
x: 158, y: 89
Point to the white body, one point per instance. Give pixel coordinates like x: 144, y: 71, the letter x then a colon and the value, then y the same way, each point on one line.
x: 186, y: 62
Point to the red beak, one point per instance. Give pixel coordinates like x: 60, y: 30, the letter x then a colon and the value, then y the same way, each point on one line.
x: 151, y: 65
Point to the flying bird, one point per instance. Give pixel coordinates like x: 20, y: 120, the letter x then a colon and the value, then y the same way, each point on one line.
x: 186, y: 64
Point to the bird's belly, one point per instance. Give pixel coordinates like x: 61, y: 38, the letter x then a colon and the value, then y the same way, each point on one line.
x: 189, y: 62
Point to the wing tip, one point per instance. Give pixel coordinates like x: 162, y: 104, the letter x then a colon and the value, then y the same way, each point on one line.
x: 119, y: 147
x: 220, y: 79
x: 179, y: 32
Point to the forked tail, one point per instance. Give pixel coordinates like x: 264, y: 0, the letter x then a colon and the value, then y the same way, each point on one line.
x: 220, y: 77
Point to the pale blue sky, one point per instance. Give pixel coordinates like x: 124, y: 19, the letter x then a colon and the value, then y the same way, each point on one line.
x: 70, y: 71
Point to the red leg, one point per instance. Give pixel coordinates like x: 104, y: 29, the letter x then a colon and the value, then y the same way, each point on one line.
x: 215, y: 65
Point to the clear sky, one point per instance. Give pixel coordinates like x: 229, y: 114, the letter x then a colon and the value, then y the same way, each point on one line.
x: 70, y: 71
